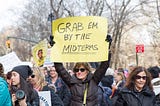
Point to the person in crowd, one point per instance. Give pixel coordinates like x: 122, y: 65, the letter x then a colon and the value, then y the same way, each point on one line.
x: 106, y: 90
x: 61, y: 88
x: 138, y: 90
x: 107, y: 81
x: 131, y: 67
x: 5, y: 99
x: 22, y: 92
x: 155, y: 81
x: 8, y: 79
x: 2, y: 71
x: 119, y: 79
x: 37, y: 79
x: 83, y: 84
x: 120, y: 69
x: 44, y: 70
x: 109, y: 71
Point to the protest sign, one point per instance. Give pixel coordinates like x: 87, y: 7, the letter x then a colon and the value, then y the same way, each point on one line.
x: 45, y: 98
x: 80, y: 39
x: 9, y: 61
x: 39, y: 52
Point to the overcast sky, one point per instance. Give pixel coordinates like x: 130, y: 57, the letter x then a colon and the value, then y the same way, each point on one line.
x: 7, y: 16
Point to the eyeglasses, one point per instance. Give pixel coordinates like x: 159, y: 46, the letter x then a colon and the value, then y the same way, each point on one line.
x: 80, y: 69
x: 32, y: 76
x: 139, y: 77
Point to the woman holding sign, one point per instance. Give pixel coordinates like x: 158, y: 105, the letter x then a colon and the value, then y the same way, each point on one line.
x: 83, y: 84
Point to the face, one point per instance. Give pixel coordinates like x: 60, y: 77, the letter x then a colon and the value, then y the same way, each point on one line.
x: 118, y: 77
x: 140, y: 80
x: 53, y: 72
x: 81, y: 73
x: 15, y: 78
x: 33, y: 79
x: 40, y: 54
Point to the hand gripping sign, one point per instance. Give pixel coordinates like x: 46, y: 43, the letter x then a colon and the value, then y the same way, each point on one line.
x: 80, y: 39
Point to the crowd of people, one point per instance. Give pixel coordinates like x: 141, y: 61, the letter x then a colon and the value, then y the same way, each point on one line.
x: 82, y: 86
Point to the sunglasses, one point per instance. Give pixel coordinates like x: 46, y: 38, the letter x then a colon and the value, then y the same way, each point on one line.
x: 139, y: 77
x: 79, y: 69
x: 32, y: 76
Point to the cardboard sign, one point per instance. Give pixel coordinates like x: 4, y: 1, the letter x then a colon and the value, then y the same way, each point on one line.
x: 9, y: 61
x: 45, y: 98
x: 80, y: 39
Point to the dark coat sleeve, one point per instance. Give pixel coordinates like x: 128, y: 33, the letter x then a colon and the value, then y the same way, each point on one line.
x: 65, y: 92
x: 101, y: 70
x: 35, y: 101
x: 118, y: 101
x: 62, y: 72
x: 55, y: 99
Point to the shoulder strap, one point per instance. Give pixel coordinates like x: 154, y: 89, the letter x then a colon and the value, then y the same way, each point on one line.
x: 85, y: 95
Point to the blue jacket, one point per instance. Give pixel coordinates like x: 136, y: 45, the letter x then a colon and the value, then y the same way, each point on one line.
x: 5, y: 99
x: 62, y: 90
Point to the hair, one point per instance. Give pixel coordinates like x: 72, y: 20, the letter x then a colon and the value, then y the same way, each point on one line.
x: 120, y: 70
x: 40, y: 75
x: 84, y: 64
x: 154, y: 71
x: 2, y: 71
x: 40, y: 50
x: 26, y: 87
x: 121, y: 74
x: 130, y: 83
x: 9, y: 75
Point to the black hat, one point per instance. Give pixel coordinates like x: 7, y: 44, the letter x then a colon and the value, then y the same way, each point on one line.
x: 154, y: 71
x: 107, y: 81
x: 23, y: 70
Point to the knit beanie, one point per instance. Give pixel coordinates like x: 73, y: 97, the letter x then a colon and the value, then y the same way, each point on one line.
x: 23, y: 70
x: 107, y: 81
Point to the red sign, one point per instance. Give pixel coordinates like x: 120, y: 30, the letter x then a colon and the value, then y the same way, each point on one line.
x: 140, y: 48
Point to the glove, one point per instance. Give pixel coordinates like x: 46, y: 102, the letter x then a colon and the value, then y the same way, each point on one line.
x: 108, y: 38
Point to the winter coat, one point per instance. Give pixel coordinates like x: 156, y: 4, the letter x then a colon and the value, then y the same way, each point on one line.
x: 5, y: 99
x: 33, y: 102
x: 128, y: 97
x: 55, y: 99
x: 77, y: 87
x: 156, y: 88
x: 62, y: 90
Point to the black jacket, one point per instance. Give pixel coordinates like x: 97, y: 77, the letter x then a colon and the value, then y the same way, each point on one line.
x: 77, y: 87
x: 128, y: 97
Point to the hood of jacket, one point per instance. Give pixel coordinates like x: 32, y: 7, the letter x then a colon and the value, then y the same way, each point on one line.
x: 156, y: 85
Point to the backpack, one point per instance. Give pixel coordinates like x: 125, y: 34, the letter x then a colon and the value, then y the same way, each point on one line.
x: 103, y: 96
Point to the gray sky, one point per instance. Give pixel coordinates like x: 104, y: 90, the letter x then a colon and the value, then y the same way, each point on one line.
x: 7, y: 16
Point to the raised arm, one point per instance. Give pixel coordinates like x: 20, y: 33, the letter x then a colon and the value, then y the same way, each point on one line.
x: 62, y: 72
x: 101, y: 70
